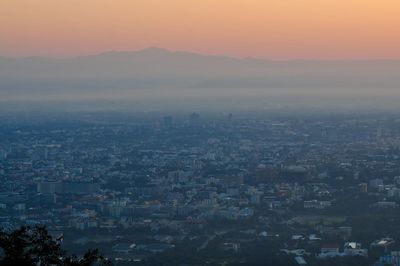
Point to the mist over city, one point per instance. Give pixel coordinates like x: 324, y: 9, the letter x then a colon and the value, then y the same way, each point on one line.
x: 156, y: 79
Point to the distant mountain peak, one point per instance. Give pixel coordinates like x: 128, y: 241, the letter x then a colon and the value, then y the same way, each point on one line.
x: 146, y: 51
x: 154, y: 49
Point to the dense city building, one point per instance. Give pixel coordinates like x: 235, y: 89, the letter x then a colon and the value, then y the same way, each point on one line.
x: 222, y: 189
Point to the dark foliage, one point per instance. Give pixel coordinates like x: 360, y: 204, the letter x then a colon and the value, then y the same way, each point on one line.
x: 34, y: 246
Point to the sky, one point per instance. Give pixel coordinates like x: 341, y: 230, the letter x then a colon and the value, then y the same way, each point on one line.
x: 274, y: 29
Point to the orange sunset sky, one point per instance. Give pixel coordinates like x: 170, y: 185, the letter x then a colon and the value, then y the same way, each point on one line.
x: 276, y: 29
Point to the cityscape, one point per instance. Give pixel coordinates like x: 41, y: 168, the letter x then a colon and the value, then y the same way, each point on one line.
x: 199, y: 133
x: 212, y: 189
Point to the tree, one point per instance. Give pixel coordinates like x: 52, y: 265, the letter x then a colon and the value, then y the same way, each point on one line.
x: 34, y: 246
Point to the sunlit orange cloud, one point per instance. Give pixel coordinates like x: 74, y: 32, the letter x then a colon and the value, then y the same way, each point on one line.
x: 284, y: 29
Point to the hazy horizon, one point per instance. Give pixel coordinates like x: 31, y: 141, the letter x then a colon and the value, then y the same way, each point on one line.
x: 156, y: 79
x: 153, y: 55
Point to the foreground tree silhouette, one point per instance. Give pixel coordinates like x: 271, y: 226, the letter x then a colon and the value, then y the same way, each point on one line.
x: 34, y: 246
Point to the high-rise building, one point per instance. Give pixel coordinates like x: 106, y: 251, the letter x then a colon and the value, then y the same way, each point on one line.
x: 230, y: 117
x: 3, y: 154
x: 194, y: 119
x: 49, y: 187
x: 167, y: 121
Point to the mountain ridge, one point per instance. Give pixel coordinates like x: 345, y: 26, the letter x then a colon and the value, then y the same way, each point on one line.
x: 154, y: 68
x: 157, y: 50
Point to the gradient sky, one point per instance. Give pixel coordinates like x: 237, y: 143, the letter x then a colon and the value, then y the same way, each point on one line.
x: 276, y: 29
